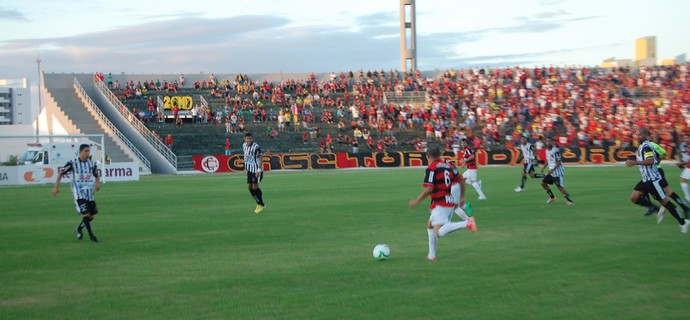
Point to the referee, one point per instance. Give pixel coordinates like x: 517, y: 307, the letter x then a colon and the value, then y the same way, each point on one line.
x: 253, y: 166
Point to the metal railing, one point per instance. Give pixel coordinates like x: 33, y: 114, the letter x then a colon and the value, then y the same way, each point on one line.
x: 92, y: 105
x: 160, y: 109
x: 137, y: 124
x: 411, y: 97
x: 203, y: 101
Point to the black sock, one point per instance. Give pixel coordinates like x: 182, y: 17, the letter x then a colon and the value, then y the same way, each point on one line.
x: 87, y: 223
x: 550, y: 193
x: 672, y: 209
x: 539, y: 175
x: 679, y: 201
x: 567, y: 197
x: 80, y: 226
x: 260, y: 197
x: 522, y: 182
x: 254, y: 195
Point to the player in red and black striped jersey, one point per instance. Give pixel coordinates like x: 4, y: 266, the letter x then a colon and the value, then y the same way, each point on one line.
x: 439, y: 179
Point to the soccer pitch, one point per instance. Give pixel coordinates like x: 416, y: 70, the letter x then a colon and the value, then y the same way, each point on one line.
x: 190, y: 247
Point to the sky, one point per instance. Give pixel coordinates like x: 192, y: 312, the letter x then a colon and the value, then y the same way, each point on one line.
x: 270, y: 36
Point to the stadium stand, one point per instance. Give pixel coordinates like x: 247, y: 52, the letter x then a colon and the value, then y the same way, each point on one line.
x: 578, y: 106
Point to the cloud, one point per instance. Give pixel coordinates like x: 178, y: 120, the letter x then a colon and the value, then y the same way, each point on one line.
x: 550, y: 2
x: 12, y: 14
x: 551, y: 14
x: 239, y: 44
x: 257, y: 44
x: 535, y: 57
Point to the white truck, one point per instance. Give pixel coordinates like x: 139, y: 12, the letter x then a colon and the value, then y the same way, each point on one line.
x: 57, y: 153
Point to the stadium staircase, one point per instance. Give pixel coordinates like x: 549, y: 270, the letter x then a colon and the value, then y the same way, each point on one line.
x: 61, y: 94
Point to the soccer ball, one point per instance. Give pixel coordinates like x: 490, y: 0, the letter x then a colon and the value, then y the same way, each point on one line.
x: 382, y: 252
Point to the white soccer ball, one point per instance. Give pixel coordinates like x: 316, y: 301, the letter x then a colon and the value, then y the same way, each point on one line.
x: 382, y: 252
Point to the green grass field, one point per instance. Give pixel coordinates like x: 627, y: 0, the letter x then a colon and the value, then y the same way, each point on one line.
x: 189, y: 247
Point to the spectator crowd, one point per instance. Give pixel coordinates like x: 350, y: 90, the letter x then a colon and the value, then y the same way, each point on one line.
x: 492, y: 107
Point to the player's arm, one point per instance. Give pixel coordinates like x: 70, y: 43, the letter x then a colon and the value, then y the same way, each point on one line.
x: 97, y: 186
x: 259, y: 163
x: 56, y: 187
x: 61, y: 172
x: 648, y: 158
x: 558, y: 163
x: 425, y: 193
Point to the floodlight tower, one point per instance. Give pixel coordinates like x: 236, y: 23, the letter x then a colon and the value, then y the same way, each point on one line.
x: 408, y: 35
x: 38, y: 62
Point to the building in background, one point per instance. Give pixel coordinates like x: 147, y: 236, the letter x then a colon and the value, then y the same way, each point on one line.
x: 645, y: 51
x: 15, y: 102
x: 645, y: 55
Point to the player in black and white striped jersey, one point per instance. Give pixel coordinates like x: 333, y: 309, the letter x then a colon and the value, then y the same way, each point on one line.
x: 530, y: 160
x: 556, y: 172
x: 253, y: 165
x: 647, y: 159
x: 85, y: 181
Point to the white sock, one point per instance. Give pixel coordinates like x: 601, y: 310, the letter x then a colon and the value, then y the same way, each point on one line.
x: 479, y: 189
x: 461, y: 213
x: 450, y: 227
x: 662, y: 210
x: 686, y: 190
x: 432, y: 243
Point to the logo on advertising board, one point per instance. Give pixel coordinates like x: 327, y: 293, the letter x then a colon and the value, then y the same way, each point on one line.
x: 39, y: 175
x: 210, y: 164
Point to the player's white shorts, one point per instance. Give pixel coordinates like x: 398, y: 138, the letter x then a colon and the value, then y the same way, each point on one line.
x: 455, y: 192
x: 440, y: 215
x: 685, y: 174
x: 470, y: 174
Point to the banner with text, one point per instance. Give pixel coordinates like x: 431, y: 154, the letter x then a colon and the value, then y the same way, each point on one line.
x: 342, y: 160
x: 44, y: 174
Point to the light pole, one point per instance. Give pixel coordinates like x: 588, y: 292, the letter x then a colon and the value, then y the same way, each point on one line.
x: 38, y: 117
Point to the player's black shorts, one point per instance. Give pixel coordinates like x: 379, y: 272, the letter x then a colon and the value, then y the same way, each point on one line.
x: 549, y: 179
x: 85, y: 206
x: 251, y: 177
x: 654, y: 188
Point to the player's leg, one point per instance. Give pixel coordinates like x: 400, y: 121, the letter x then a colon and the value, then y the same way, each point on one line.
x: 455, y: 192
x: 87, y: 209
x: 431, y: 232
x: 684, y: 223
x: 253, y: 186
x: 548, y: 179
x: 679, y: 201
x: 259, y: 193
x: 560, y: 184
x: 662, y: 189
x: 250, y: 184
x: 525, y: 170
x: 472, y: 177
x: 684, y: 177
x: 449, y: 226
x: 640, y: 197
x: 80, y: 227
x: 536, y: 175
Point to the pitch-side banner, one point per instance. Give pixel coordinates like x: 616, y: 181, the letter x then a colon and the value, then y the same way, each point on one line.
x: 342, y: 160
x: 44, y: 174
